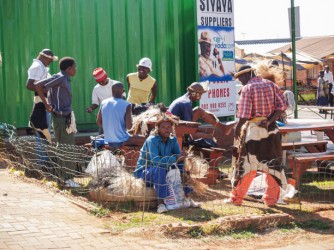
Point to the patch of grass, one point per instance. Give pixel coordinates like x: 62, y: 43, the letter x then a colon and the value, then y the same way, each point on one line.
x: 99, y: 212
x: 196, y: 232
x: 124, y: 207
x: 241, y: 234
x: 318, y: 225
x: 314, y: 225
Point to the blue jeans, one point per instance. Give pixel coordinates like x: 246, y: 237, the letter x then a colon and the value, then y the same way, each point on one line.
x: 156, y: 176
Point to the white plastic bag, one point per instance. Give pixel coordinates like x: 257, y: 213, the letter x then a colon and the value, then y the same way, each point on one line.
x: 102, y: 160
x: 176, y: 199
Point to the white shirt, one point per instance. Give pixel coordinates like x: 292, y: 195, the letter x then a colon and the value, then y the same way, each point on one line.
x: 38, y: 71
x: 209, y: 66
x: 101, y: 93
x: 328, y: 76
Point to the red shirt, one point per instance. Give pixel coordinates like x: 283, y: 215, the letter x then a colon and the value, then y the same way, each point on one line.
x: 260, y: 97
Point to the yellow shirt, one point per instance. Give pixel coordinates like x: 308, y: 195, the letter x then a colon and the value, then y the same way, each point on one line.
x: 140, y: 90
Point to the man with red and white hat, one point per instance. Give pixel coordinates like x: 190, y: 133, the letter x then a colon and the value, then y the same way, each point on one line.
x: 102, y: 90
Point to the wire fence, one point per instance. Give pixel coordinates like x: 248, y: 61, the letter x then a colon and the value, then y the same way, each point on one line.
x: 109, y: 177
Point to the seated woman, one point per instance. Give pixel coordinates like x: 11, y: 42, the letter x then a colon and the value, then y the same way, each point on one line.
x: 160, y: 154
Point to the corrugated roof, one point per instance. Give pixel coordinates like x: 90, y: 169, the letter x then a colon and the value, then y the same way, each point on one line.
x: 319, y: 47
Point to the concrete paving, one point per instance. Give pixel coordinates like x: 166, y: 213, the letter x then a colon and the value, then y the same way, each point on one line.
x: 31, y: 217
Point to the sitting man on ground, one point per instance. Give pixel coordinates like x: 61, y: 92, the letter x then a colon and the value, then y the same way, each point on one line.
x: 159, y: 154
x: 115, y: 116
x: 182, y: 107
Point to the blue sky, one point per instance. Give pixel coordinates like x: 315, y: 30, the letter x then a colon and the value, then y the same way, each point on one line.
x: 265, y: 19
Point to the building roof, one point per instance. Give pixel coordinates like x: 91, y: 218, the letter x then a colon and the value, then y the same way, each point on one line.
x: 262, y: 46
x: 319, y: 47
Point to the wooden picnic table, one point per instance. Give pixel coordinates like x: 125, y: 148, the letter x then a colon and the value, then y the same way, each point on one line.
x: 295, y: 125
x: 325, y: 108
x: 300, y: 162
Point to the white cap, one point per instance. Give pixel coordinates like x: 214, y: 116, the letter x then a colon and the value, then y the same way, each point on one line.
x: 145, y: 62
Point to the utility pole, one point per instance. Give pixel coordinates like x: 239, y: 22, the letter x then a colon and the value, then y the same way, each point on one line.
x: 294, y: 69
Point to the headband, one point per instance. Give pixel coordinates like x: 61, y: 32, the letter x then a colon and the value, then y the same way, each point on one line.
x: 54, y: 58
x: 236, y: 75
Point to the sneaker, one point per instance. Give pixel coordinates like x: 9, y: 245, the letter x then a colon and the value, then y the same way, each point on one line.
x: 229, y: 201
x: 72, y: 184
x: 162, y: 208
x: 193, y: 203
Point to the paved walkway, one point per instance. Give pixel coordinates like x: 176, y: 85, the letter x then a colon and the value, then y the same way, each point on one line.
x: 31, y: 217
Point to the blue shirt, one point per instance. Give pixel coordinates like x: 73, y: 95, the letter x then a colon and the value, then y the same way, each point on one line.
x: 59, y: 93
x: 182, y: 107
x: 113, y: 112
x: 157, y: 153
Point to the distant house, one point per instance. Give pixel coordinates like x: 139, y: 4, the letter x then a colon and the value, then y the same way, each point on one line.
x: 316, y: 47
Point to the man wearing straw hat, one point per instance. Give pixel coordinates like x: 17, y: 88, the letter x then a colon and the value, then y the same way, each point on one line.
x: 39, y: 70
x: 257, y: 137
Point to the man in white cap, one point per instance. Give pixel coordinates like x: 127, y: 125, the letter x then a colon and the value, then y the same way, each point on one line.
x: 209, y: 65
x: 142, y: 87
x: 39, y: 70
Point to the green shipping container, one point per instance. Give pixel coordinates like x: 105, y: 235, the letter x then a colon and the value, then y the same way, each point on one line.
x: 113, y: 34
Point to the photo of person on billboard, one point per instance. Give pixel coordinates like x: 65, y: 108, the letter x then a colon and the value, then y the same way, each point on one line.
x: 210, y: 59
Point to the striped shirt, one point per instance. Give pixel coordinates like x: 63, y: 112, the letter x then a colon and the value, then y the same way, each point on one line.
x: 260, y: 98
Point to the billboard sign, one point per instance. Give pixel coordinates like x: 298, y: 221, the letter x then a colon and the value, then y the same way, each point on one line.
x: 215, y: 33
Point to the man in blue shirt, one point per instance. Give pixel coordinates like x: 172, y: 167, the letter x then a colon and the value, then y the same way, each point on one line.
x: 182, y: 107
x: 115, y: 116
x: 59, y: 99
x: 159, y: 154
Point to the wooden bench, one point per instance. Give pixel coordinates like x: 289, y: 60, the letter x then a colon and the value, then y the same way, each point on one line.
x: 311, y: 147
x: 300, y: 162
x: 326, y: 109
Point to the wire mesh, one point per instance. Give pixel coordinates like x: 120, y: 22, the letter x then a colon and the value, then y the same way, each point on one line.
x: 108, y: 176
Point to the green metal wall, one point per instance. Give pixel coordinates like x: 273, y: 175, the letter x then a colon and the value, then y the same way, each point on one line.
x: 113, y: 34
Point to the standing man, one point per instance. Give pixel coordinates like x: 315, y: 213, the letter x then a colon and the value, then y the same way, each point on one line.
x: 60, y: 99
x: 142, y: 87
x: 115, y: 116
x: 102, y: 89
x: 39, y: 70
x: 209, y: 65
x: 60, y: 105
x: 259, y: 142
x: 328, y: 77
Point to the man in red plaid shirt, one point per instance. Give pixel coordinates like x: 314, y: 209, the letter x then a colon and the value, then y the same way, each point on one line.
x: 258, y: 140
